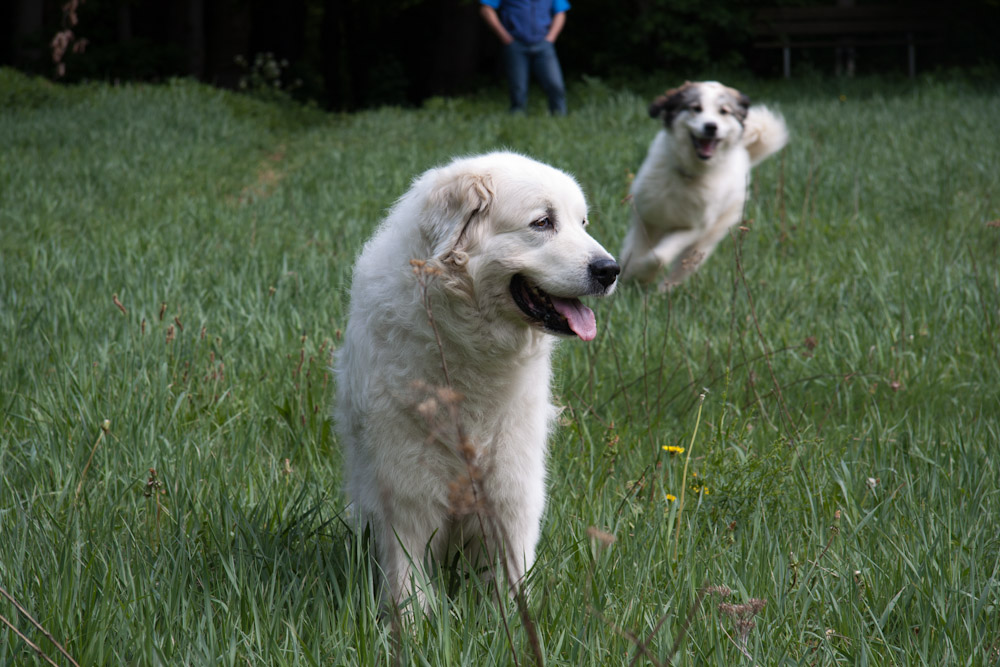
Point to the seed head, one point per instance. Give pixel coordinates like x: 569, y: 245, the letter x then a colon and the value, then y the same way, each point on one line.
x: 602, y: 537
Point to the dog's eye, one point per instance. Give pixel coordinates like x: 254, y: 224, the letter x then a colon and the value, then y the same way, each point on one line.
x: 585, y: 222
x: 723, y: 111
x: 696, y: 108
x: 542, y: 223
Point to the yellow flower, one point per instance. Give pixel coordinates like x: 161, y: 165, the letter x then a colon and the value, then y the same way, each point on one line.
x: 673, y: 449
x: 671, y: 498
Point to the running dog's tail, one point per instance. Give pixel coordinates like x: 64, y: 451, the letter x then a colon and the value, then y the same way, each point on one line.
x: 764, y: 133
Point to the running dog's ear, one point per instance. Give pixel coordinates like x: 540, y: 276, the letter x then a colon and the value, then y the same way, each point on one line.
x: 739, y: 103
x: 672, y: 102
x: 458, y: 198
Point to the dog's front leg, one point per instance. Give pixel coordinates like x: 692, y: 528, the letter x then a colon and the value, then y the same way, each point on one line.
x: 695, y: 255
x: 514, y: 517
x: 404, y: 548
x: 637, y: 259
x: 674, y: 244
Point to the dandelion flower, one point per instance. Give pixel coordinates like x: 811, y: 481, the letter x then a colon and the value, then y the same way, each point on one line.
x: 673, y: 449
x: 671, y: 498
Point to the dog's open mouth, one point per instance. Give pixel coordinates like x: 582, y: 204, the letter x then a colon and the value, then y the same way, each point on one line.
x: 705, y: 146
x: 566, y: 316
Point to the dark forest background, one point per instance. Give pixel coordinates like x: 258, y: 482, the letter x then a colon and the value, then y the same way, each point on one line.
x: 347, y: 54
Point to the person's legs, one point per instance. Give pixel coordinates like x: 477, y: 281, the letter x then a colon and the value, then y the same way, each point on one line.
x: 545, y: 65
x: 515, y: 60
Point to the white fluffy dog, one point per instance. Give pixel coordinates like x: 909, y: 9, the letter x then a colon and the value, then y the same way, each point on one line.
x: 692, y: 186
x: 443, y: 401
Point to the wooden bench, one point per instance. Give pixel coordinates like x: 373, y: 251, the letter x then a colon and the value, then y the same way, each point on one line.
x: 844, y: 27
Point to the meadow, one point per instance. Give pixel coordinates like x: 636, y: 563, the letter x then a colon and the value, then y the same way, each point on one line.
x: 174, y: 267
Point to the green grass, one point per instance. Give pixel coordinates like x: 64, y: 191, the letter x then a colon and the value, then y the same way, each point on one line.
x: 854, y: 485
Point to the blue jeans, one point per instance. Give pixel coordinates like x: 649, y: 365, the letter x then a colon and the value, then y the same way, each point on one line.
x: 540, y: 59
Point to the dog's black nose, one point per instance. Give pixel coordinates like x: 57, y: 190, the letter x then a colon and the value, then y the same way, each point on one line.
x: 605, y: 271
x: 709, y: 129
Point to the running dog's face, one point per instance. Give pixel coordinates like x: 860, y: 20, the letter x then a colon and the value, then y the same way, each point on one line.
x: 707, y: 116
x: 522, y: 244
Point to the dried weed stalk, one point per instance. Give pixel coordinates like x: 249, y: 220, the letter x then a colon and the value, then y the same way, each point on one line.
x: 641, y: 646
x: 763, y: 341
x: 37, y: 649
x: 105, y: 429
x: 440, y: 407
x: 742, y: 616
x: 687, y: 460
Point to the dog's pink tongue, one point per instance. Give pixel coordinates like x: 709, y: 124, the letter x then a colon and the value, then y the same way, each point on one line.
x: 580, y: 318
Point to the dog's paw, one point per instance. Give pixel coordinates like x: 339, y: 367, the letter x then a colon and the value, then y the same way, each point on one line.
x: 667, y: 285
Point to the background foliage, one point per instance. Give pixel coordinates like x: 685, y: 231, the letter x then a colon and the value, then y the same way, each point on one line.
x: 346, y: 54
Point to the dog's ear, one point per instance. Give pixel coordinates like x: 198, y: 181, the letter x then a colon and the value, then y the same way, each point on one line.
x: 672, y: 102
x: 457, y: 199
x: 740, y: 104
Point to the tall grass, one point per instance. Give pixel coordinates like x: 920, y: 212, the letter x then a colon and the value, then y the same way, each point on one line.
x: 848, y: 345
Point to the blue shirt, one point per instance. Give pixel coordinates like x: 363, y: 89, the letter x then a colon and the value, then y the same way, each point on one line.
x: 527, y: 21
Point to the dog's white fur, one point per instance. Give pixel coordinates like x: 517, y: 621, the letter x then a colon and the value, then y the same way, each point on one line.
x: 692, y: 186
x: 476, y: 222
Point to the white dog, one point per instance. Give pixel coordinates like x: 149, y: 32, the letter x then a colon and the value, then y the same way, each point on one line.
x: 692, y: 186
x: 443, y: 402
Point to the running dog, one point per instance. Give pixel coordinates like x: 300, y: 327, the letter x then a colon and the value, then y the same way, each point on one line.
x: 692, y: 186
